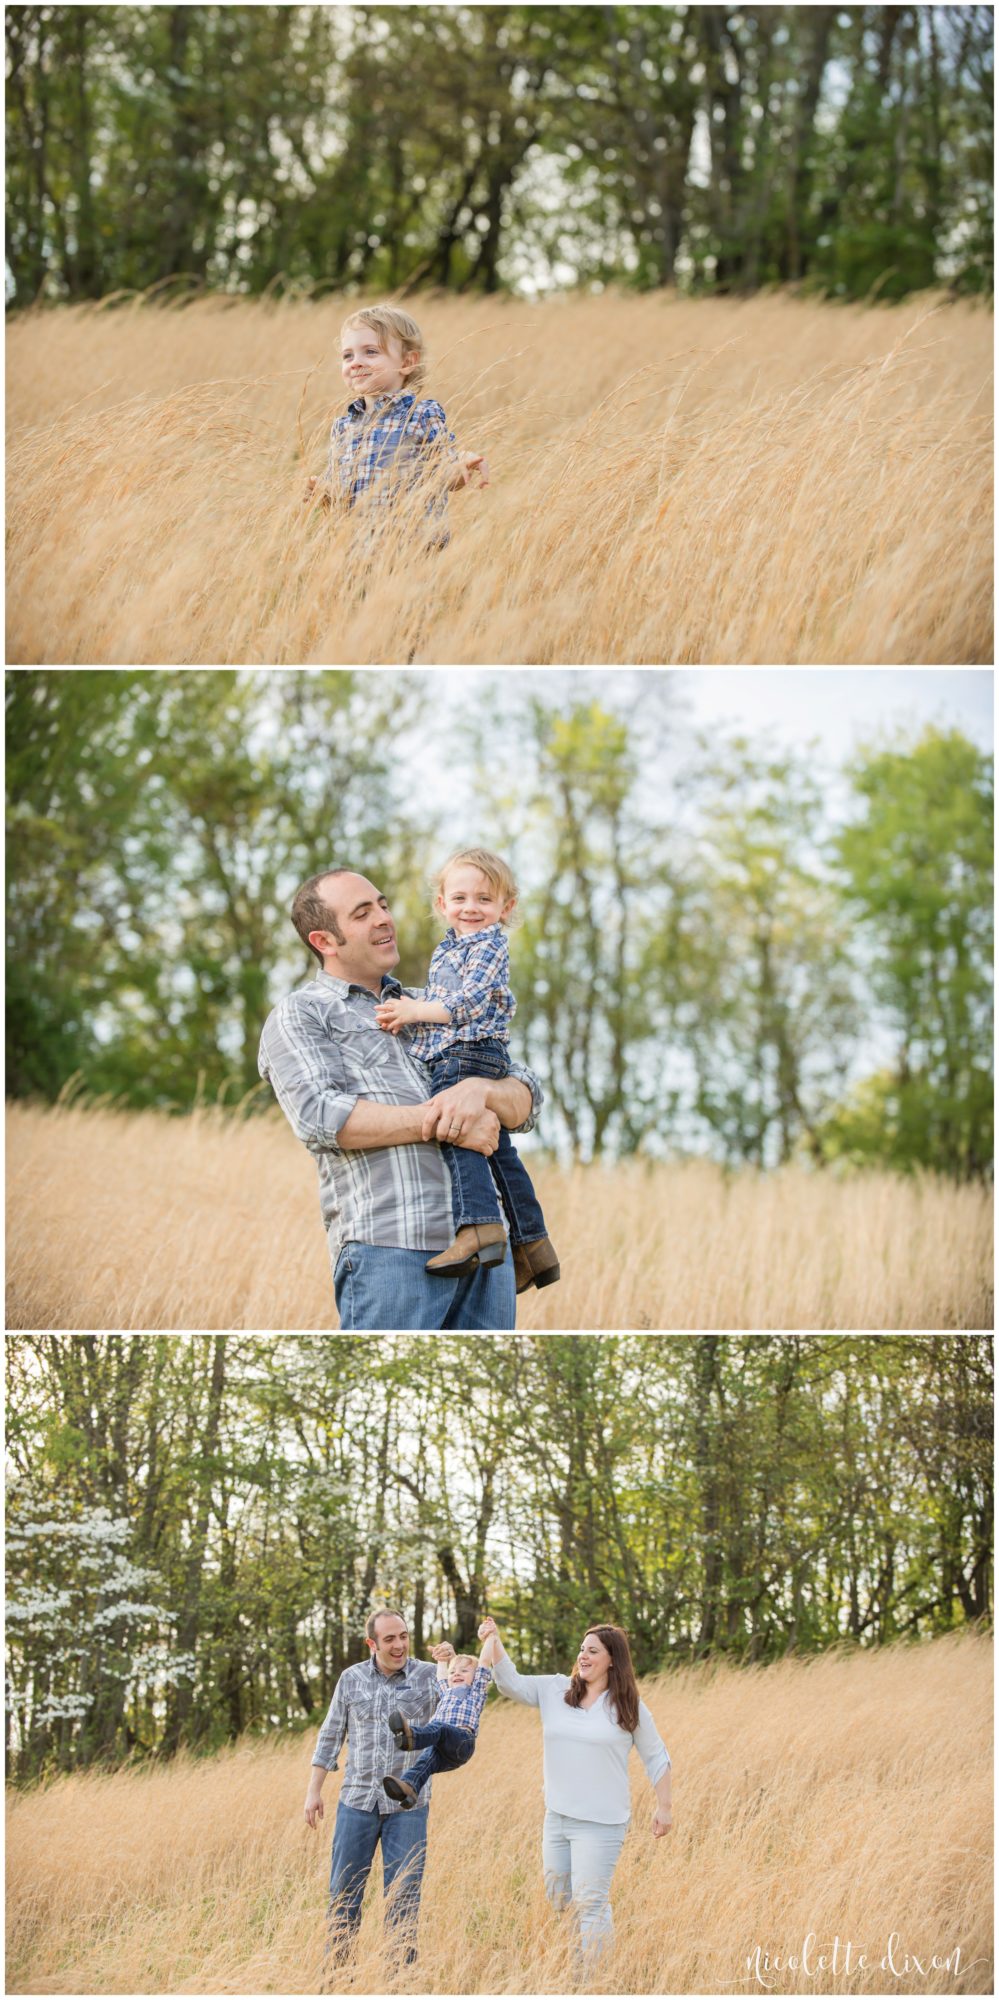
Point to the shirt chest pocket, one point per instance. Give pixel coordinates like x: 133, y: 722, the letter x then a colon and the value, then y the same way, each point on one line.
x: 414, y: 1701
x: 367, y: 1055
x: 366, y: 1706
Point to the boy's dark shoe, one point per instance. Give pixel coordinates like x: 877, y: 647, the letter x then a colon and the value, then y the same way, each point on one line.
x: 397, y: 1788
x: 535, y: 1264
x: 478, y: 1244
x: 401, y: 1729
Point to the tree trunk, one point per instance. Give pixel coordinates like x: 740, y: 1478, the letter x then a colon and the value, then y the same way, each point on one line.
x: 181, y: 1700
x: 705, y: 1364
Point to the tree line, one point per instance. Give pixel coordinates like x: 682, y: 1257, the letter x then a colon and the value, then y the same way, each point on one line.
x: 199, y: 1525
x: 717, y: 963
x: 314, y: 147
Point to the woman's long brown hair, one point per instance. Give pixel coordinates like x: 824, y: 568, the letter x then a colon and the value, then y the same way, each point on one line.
x: 622, y: 1687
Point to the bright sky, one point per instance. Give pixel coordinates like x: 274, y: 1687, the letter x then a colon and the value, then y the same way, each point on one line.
x: 841, y: 707
x: 834, y: 709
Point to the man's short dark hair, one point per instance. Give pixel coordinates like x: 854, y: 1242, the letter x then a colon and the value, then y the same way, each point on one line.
x: 383, y: 1611
x: 310, y: 913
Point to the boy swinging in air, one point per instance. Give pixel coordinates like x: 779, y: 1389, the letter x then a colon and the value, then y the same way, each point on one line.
x: 449, y: 1740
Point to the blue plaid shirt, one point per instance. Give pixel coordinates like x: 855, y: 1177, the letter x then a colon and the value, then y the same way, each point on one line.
x: 470, y: 976
x: 462, y: 1706
x: 382, y: 452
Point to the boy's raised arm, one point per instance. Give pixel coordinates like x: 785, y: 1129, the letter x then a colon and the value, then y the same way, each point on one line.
x: 490, y: 1650
x: 443, y: 1654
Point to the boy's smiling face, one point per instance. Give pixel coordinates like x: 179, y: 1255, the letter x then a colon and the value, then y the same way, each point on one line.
x: 368, y: 368
x: 461, y: 1673
x: 468, y: 900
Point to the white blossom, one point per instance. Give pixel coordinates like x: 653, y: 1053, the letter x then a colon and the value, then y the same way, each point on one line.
x: 36, y: 1606
x: 63, y: 1708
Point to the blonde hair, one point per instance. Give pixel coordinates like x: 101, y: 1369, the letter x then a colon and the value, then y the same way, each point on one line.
x: 390, y: 323
x: 462, y: 1660
x: 497, y: 872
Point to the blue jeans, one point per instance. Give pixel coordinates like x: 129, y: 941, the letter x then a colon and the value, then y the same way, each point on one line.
x: 579, y: 1857
x: 380, y: 1289
x: 356, y: 1834
x: 444, y: 1747
x: 474, y: 1179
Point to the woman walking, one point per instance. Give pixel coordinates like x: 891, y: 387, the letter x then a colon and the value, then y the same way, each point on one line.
x: 589, y: 1722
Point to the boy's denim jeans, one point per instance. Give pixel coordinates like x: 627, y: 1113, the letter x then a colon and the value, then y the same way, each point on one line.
x: 444, y: 1747
x: 474, y: 1179
x: 356, y: 1834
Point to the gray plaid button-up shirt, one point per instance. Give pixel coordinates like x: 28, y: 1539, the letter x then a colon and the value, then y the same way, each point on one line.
x: 321, y: 1050
x: 363, y: 1700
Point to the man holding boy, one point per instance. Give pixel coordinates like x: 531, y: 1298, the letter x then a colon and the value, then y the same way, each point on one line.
x: 389, y: 1683
x: 359, y: 1102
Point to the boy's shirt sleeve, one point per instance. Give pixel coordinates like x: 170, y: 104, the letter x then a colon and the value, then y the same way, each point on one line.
x: 485, y: 984
x: 479, y: 1690
x: 431, y: 426
x: 336, y: 432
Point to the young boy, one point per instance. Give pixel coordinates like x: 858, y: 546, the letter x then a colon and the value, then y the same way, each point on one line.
x: 466, y: 1008
x: 389, y: 437
x: 448, y: 1740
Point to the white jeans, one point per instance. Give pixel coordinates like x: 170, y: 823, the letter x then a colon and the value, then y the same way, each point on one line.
x: 580, y: 1856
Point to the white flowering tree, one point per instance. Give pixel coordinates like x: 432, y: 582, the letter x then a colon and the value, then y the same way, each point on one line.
x: 90, y: 1653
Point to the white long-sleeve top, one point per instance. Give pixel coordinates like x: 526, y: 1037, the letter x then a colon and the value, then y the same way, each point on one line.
x: 585, y: 1749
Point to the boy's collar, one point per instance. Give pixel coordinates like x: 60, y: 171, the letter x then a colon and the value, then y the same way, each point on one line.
x: 358, y: 409
x: 451, y: 936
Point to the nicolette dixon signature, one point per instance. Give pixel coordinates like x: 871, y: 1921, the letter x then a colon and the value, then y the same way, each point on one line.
x: 841, y: 1955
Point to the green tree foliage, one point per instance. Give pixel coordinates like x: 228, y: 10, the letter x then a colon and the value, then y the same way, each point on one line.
x: 716, y: 966
x: 252, y: 147
x: 199, y: 1525
x: 576, y: 958
x: 159, y: 825
x: 752, y: 965
x: 918, y: 864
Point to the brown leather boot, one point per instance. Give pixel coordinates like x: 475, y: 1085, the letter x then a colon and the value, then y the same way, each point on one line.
x: 478, y: 1244
x: 535, y: 1264
x: 398, y: 1789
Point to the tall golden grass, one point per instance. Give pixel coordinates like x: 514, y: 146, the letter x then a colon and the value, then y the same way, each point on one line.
x: 674, y: 482
x: 137, y: 1220
x: 847, y: 1796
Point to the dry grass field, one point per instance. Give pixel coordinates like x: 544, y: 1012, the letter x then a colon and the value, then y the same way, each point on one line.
x: 674, y: 482
x: 847, y: 1796
x: 135, y: 1220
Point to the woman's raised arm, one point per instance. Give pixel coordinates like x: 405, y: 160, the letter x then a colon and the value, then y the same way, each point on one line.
x: 519, y: 1687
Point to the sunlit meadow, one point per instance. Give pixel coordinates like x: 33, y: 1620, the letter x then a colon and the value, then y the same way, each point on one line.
x: 848, y: 1797
x: 674, y: 482
x: 137, y: 1220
